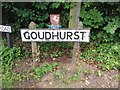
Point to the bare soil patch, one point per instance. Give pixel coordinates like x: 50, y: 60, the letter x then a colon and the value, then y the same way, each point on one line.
x: 88, y: 76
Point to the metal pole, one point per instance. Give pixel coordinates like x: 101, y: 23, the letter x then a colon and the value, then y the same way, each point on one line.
x: 0, y: 45
x: 8, y: 40
x: 9, y: 43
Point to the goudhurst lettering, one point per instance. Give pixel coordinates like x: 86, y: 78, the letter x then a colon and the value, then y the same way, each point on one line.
x: 53, y: 35
x: 41, y: 36
x: 69, y: 34
x: 62, y: 35
x: 26, y: 35
x: 33, y: 35
x: 82, y: 34
x: 57, y: 35
x: 47, y: 35
x: 76, y: 35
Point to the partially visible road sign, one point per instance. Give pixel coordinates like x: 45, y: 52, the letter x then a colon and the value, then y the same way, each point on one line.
x: 4, y: 28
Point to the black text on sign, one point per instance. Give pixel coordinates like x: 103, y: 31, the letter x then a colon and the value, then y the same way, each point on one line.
x: 4, y: 28
x: 55, y: 35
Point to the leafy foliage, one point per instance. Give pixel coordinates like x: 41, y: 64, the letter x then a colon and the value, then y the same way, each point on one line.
x: 9, y: 58
x: 106, y: 55
x: 59, y: 74
x: 112, y: 25
x: 104, y: 24
x: 98, y: 15
x: 56, y: 54
x: 92, y: 18
x: 44, y: 69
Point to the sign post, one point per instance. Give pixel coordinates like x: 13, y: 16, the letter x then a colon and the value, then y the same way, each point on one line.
x: 76, y: 47
x: 54, y: 34
x: 34, y: 35
x: 73, y: 24
x: 34, y: 46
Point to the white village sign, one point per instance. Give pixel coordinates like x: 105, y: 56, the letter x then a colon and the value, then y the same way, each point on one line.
x: 4, y: 28
x: 55, y: 35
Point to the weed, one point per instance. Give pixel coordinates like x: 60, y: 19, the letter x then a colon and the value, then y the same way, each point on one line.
x: 8, y: 57
x: 56, y: 54
x: 59, y: 74
x: 117, y: 77
x: 99, y: 73
x: 44, y: 69
x: 106, y: 55
x: 26, y: 53
x: 80, y: 69
x: 75, y: 77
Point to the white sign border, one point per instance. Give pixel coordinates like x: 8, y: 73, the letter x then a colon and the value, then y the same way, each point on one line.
x: 4, y: 28
x: 55, y: 30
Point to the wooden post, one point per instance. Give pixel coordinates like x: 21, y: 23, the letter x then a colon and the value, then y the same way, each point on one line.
x: 73, y: 24
x: 34, y: 46
x: 76, y: 47
x: 74, y: 14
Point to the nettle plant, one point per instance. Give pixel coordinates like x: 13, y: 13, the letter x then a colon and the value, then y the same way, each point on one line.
x: 106, y: 55
x: 46, y: 68
x: 9, y: 58
x: 105, y: 24
x: 97, y: 15
x: 112, y: 25
x: 91, y: 17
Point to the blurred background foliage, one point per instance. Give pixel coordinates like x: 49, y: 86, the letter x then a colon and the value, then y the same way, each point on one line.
x: 102, y: 17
